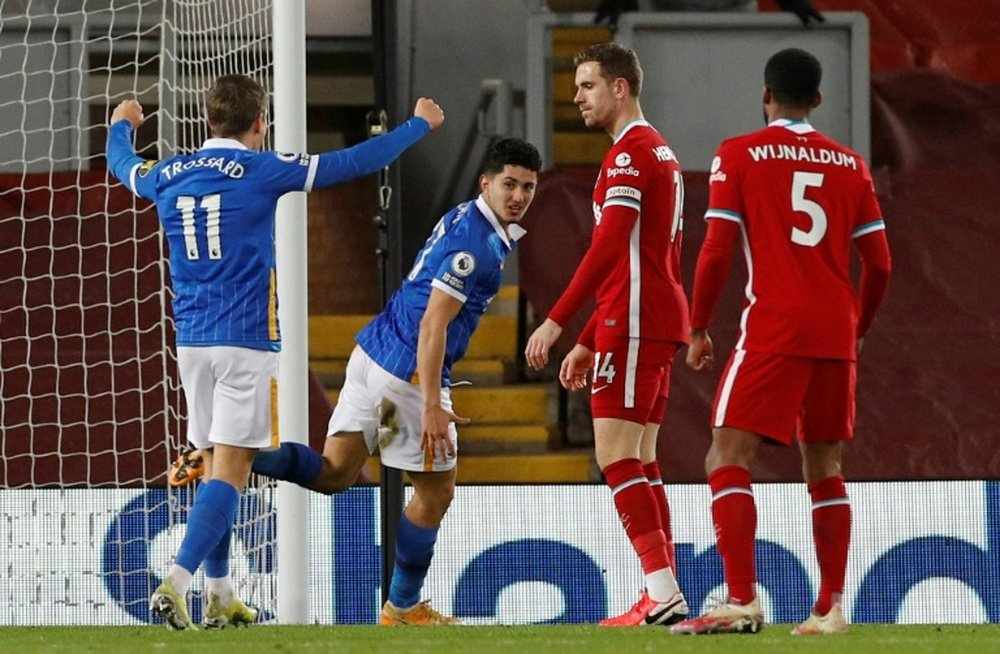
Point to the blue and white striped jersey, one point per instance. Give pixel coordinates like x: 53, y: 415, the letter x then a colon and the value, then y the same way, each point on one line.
x: 464, y: 257
x: 217, y: 208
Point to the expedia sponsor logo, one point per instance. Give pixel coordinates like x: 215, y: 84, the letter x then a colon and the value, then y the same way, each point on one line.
x: 623, y: 159
x: 716, y: 169
x: 146, y: 167
x: 631, y: 171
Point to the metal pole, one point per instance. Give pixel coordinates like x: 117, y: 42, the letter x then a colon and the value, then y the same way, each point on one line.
x: 384, y: 30
x: 291, y: 247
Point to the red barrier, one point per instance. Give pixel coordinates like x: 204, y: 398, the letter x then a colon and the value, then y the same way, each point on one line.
x: 958, y: 37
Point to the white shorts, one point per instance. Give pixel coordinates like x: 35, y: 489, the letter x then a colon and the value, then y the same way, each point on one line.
x: 367, y: 400
x: 232, y: 396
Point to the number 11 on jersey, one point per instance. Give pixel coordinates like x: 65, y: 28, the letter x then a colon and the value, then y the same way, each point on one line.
x: 211, y: 205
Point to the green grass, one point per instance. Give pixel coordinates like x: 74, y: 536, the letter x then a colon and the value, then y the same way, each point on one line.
x: 774, y: 639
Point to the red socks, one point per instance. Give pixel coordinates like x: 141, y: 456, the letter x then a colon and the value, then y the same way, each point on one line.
x: 636, y: 507
x: 735, y: 517
x: 652, y: 471
x: 831, y: 518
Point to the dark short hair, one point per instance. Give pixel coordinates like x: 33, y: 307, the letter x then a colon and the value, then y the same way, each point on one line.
x: 511, y: 152
x: 616, y: 60
x: 233, y: 103
x: 793, y: 76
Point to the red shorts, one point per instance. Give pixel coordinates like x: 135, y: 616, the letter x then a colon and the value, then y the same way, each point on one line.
x: 631, y: 379
x: 779, y: 396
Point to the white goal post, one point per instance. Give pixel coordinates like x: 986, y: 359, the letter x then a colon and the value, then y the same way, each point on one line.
x: 89, y: 394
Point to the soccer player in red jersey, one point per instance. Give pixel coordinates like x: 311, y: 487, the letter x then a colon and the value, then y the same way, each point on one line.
x: 797, y: 200
x: 640, y: 320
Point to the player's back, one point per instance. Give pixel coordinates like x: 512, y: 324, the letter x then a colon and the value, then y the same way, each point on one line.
x: 800, y: 196
x: 217, y: 210
x: 643, y: 296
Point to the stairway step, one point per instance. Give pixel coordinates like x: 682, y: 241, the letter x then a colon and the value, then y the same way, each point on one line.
x: 579, y: 148
x: 504, y: 439
x: 512, y: 404
x: 522, y: 434
x: 505, y: 301
x: 524, y: 404
x: 332, y: 337
x: 579, y: 36
x: 566, y: 118
x: 553, y: 467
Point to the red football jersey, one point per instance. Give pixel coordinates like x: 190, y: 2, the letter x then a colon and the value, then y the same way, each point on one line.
x: 633, y: 263
x: 799, y: 199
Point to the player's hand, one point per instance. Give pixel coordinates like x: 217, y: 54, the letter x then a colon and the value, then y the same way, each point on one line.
x: 700, y: 354
x: 575, y: 369
x: 536, y: 352
x: 434, y: 431
x: 129, y: 110
x: 429, y: 111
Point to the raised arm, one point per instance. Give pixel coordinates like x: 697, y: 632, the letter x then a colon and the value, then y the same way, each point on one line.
x: 122, y: 159
x: 377, y: 153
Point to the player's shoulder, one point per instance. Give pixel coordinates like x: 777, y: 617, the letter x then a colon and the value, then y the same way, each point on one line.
x: 284, y: 158
x: 639, y: 149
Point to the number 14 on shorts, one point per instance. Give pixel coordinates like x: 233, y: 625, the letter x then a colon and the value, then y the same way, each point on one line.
x: 604, y: 371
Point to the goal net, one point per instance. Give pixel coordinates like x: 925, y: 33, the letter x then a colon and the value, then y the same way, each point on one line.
x: 92, y: 412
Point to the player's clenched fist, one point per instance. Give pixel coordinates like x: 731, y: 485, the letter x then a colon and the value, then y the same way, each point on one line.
x: 429, y: 111
x: 129, y: 110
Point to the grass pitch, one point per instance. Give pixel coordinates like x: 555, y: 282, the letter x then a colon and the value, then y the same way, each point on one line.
x: 774, y: 639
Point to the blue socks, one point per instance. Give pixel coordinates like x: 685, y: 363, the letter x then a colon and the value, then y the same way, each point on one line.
x: 292, y: 462
x: 217, y: 561
x: 414, y: 549
x: 210, y: 519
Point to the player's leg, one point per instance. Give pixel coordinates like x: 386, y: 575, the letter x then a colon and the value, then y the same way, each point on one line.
x: 624, y: 393
x: 415, y: 540
x: 746, y: 410
x: 651, y: 466
x: 616, y: 444
x: 230, y: 465
x: 352, y: 434
x: 433, y: 477
x: 828, y: 421
x: 228, y: 392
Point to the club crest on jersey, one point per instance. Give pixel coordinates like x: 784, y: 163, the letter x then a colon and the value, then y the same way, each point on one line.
x: 623, y: 159
x: 291, y: 157
x: 716, y: 170
x: 463, y: 263
x: 146, y: 167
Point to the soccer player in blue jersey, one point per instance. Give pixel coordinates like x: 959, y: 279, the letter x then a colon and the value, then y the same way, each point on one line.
x: 396, y: 397
x: 217, y: 208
